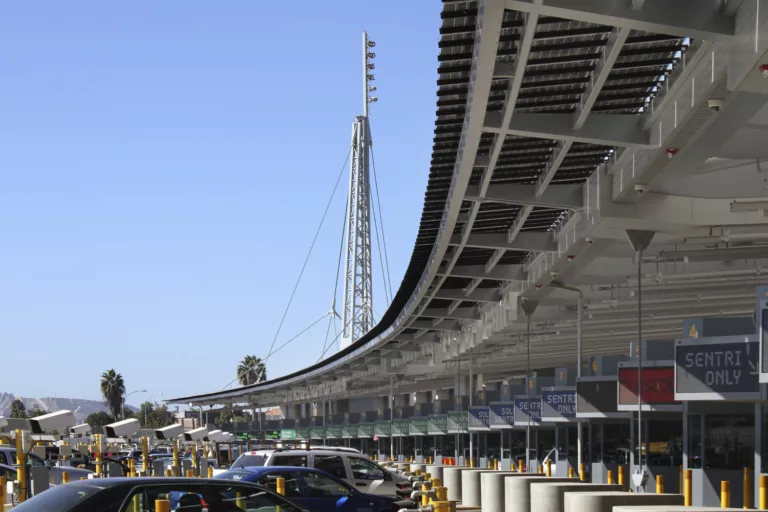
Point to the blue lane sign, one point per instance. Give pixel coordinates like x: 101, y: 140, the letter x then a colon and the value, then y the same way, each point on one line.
x: 479, y: 418
x: 525, y: 406
x: 558, y: 404
x: 502, y: 415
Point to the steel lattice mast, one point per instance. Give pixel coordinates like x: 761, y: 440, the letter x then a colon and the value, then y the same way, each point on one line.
x: 357, y: 317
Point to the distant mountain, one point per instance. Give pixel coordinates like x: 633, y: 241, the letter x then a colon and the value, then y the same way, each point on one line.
x: 80, y: 407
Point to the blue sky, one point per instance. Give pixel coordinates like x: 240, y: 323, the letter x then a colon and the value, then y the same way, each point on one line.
x: 163, y: 168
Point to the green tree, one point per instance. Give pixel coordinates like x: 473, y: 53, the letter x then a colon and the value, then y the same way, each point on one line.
x: 112, y: 390
x: 163, y: 416
x: 251, y: 370
x: 18, y: 409
x: 35, y: 412
x: 99, y: 419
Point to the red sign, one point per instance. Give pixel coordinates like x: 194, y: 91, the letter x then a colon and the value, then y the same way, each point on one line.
x: 658, y: 386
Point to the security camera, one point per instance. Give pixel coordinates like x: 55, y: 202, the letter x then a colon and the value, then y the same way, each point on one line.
x: 197, y: 434
x: 589, y: 241
x: 122, y: 428
x: 715, y: 105
x: 216, y: 436
x: 641, y: 189
x: 169, y: 432
x: 47, y: 423
x: 80, y: 430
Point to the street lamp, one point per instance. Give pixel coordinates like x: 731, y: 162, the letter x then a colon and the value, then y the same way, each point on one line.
x: 146, y: 408
x: 122, y: 409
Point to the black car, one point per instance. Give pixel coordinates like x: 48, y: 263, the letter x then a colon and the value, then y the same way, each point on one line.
x: 129, y: 494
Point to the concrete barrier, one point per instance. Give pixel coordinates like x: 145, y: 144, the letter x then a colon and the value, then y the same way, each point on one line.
x: 672, y: 508
x: 549, y: 496
x: 452, y: 480
x: 470, y: 487
x: 492, y: 489
x: 435, y: 471
x: 516, y: 492
x: 606, y: 500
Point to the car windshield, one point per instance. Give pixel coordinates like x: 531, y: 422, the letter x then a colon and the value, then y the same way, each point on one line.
x: 236, y: 474
x: 58, y: 499
x: 250, y: 460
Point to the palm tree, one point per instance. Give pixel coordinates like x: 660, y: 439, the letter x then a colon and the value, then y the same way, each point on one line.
x: 112, y: 389
x: 251, y: 370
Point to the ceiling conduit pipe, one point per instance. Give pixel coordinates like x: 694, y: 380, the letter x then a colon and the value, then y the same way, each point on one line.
x: 579, y: 356
x: 699, y: 275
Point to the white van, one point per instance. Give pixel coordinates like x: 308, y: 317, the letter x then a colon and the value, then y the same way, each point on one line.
x: 345, y: 463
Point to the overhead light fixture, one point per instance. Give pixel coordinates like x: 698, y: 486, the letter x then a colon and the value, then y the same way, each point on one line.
x: 749, y: 206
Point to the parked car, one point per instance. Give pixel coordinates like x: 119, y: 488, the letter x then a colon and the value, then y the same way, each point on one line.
x: 351, y: 466
x: 8, y: 457
x: 121, y: 494
x: 315, y: 490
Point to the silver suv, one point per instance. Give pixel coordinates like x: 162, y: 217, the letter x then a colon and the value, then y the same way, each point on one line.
x: 346, y: 463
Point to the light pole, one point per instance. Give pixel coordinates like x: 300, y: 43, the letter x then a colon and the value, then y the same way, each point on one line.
x: 122, y: 409
x: 146, y: 407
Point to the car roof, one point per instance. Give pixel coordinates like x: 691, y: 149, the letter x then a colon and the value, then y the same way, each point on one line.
x: 132, y: 482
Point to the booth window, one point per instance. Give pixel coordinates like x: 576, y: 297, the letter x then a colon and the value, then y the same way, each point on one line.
x: 665, y: 443
x: 694, y: 452
x: 615, y: 449
x: 730, y: 441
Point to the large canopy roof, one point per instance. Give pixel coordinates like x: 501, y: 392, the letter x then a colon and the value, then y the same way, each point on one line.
x: 560, y: 124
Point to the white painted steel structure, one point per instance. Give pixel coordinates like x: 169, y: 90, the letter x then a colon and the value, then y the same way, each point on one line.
x: 560, y: 125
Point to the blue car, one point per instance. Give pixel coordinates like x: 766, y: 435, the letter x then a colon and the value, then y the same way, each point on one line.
x: 313, y: 489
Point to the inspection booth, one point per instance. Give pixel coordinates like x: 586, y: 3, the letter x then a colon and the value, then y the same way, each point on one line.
x: 718, y: 381
x: 558, y: 407
x: 661, y: 419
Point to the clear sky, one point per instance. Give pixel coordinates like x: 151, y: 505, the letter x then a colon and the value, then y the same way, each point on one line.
x: 163, y: 168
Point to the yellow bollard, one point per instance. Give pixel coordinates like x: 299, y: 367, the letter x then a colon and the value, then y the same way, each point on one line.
x: 3, y: 484
x: 424, y: 498
x: 280, y: 486
x: 441, y: 493
x: 610, y: 477
x: 541, y: 469
x: 571, y: 473
x: 441, y: 506
x: 168, y: 472
x: 490, y: 464
x: 145, y: 455
x: 427, y: 477
x: 496, y: 464
x: 549, y: 468
x: 512, y: 466
x: 582, y: 472
x: 176, y: 462
x: 190, y: 473
x: 65, y: 477
x: 520, y: 465
x: 436, y: 482
x: 725, y: 494
x: 688, y: 488
x: 621, y: 476
x: 240, y: 502
x: 471, y: 462
x: 659, y: 484
x: 210, y: 471
x: 763, y: 496
x: 747, y: 490
x: 162, y: 506
x: 21, y: 461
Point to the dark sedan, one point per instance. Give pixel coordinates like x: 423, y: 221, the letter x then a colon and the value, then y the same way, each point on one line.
x: 315, y: 490
x: 188, y: 494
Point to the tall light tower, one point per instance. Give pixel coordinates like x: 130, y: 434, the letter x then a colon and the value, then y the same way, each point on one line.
x: 357, y: 318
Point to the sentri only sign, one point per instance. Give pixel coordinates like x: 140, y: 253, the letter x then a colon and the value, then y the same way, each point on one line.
x: 723, y: 368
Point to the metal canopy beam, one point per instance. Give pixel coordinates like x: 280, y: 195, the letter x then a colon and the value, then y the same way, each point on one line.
x: 478, y: 295
x: 456, y: 314
x: 699, y: 19
x: 624, y: 130
x: 425, y: 324
x: 499, y: 273
x: 564, y: 197
x: 611, y: 52
x: 530, y: 241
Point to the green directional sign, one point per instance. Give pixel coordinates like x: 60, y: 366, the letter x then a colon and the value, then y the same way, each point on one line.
x: 272, y: 434
x: 334, y: 431
x: 318, y: 432
x: 346, y: 431
x: 365, y: 430
x: 383, y: 429
x: 457, y: 422
x: 400, y: 428
x: 288, y: 434
x: 418, y: 426
x: 304, y: 433
x: 437, y: 425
